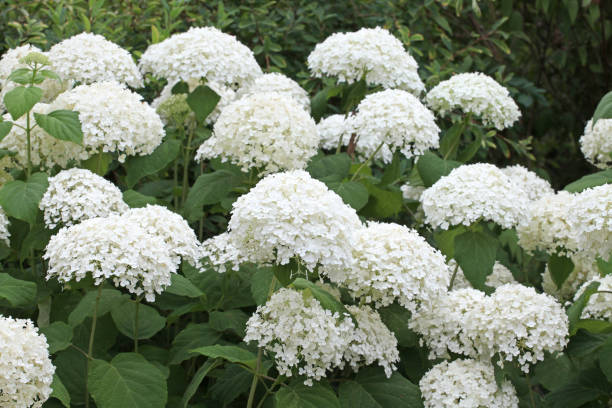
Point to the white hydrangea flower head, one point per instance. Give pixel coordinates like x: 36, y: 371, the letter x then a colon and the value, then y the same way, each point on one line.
x: 411, y: 192
x: 46, y: 151
x: 591, y: 222
x: 596, y: 143
x: 499, y: 276
x: 392, y: 262
x: 201, y: 52
x: 267, y: 130
x: 331, y: 129
x: 304, y: 338
x: 398, y: 120
x: 279, y: 83
x: 370, y: 53
x: 116, y: 248
x: 221, y: 254
x: 75, y: 195
x: 535, y: 186
x: 478, y: 94
x: 466, y: 384
x: 26, y: 371
x: 10, y: 59
x: 289, y: 215
x: 5, y: 234
x: 371, y: 341
x: 171, y: 227
x: 583, y: 271
x: 89, y: 58
x: 113, y: 119
x: 599, y: 305
x: 474, y: 192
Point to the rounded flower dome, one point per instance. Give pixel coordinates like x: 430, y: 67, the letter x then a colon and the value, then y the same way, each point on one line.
x: 331, y: 129
x: 596, y: 143
x: 535, y: 186
x: 279, y: 83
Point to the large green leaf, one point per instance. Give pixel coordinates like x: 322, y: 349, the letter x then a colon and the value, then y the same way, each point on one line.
x: 260, y: 284
x: 381, y: 203
x: 138, y: 167
x: 329, y: 168
x: 59, y: 336
x: 475, y: 253
x: 209, y: 188
x: 445, y: 240
x: 604, y: 108
x: 149, y: 320
x: 20, y: 199
x: 197, y: 379
x: 5, y: 128
x: 98, y: 163
x: 233, y: 382
x: 298, y: 395
x: 62, y: 125
x: 128, y: 381
x: 202, y: 101
x: 71, y: 369
x: 60, y: 392
x: 590, y: 180
x: 182, y: 286
x: 21, y: 99
x: 605, y: 361
x: 588, y: 386
x: 18, y: 293
x: 432, y: 168
x: 326, y: 299
x: 560, y: 268
x: 353, y: 193
x: 136, y: 200
x: 575, y: 310
x: 232, y: 354
x: 378, y: 391
x: 396, y: 319
x: 193, y: 336
x: 233, y: 320
x: 450, y: 141
x: 109, y: 299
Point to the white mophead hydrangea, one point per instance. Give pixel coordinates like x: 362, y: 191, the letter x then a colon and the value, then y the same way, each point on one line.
x: 269, y: 131
x: 478, y: 94
x: 398, y: 121
x: 10, y: 60
x: 372, y: 54
x: 304, y: 338
x: 466, y: 384
x: 596, y: 143
x: 474, y: 192
x: 499, y: 276
x: 599, y: 305
x: 114, y: 248
x: 591, y: 222
x: 331, y: 129
x: 535, y: 186
x: 26, y: 371
x: 89, y: 58
x: 392, y: 262
x: 220, y: 253
x: 279, y: 83
x: 582, y: 272
x: 289, y: 215
x: 78, y: 194
x: 5, y: 234
x: 201, y: 52
x: 113, y: 119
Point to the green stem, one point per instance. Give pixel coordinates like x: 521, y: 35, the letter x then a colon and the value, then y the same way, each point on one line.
x: 452, y: 281
x: 28, y: 146
x: 136, y: 326
x: 186, y: 168
x: 269, y: 391
x: 367, y: 161
x: 254, y: 382
x: 531, y: 398
x: 94, y: 320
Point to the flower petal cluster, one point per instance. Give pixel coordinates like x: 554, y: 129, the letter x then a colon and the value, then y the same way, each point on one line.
x: 591, y: 222
x: 269, y: 131
x: 75, y: 195
x: 474, y: 192
x: 412, y: 192
x: 26, y: 371
x: 331, y: 129
x: 466, y: 384
x: 220, y: 252
x: 279, y: 83
x: 373, y: 54
x: 396, y: 119
x: 535, y: 186
x: 113, y: 119
x: 5, y: 234
x: 599, y: 305
x: 478, y: 94
x: 499, y: 276
x: 583, y: 271
x: 392, y: 262
x: 596, y: 143
x: 201, y: 52
x: 89, y: 58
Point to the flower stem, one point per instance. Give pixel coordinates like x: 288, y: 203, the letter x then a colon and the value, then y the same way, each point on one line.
x: 28, y: 146
x: 136, y: 326
x: 254, y: 383
x: 186, y: 168
x: 367, y: 161
x: 452, y: 281
x: 94, y: 320
x: 531, y: 398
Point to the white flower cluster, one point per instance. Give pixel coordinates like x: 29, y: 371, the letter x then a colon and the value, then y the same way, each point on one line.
x: 113, y: 119
x: 500, y: 276
x: 591, y: 221
x: 473, y: 192
x: 515, y: 321
x: 89, y: 58
x: 26, y: 371
x: 279, y: 83
x: 201, y: 52
x: 465, y: 384
x: 583, y: 271
x: 5, y: 234
x: 220, y: 252
x: 396, y: 119
x: 596, y: 143
x: 599, y: 305
x: 411, y: 192
x: 535, y: 187
x: 78, y: 194
x: 267, y: 130
x: 478, y: 94
x: 392, y: 262
x: 331, y: 129
x: 373, y: 54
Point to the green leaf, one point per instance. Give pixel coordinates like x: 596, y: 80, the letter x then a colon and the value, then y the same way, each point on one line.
x: 59, y: 336
x: 450, y: 141
x: 193, y: 336
x: 469, y: 152
x: 298, y: 395
x: 432, y: 168
x: 202, y: 101
x: 5, y: 128
x: 475, y: 253
x: 18, y: 293
x: 381, y: 203
x: 134, y: 199
x: 326, y: 299
x: 233, y: 382
x: 138, y: 167
x: 109, y: 299
x: 260, y: 284
x: 59, y: 391
x: 71, y: 368
x: 232, y: 320
x: 445, y: 240
x: 605, y: 268
x: 353, y: 193
x: 285, y: 273
x: 209, y: 188
x: 20, y: 199
x: 396, y: 319
x: 591, y: 180
x: 605, y: 361
x: 128, y: 381
x: 603, y: 109
x: 197, y: 379
x: 330, y: 168
x: 62, y: 125
x: 232, y: 354
x: 21, y: 76
x: 182, y: 286
x: 575, y: 310
x: 588, y: 386
x: 554, y: 371
x: 149, y: 320
x: 379, y: 391
x: 21, y: 99
x: 98, y: 163
x: 560, y: 267
x: 49, y: 74
x: 594, y: 326
x: 354, y: 92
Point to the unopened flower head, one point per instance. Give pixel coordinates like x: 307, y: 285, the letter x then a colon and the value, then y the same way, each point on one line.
x: 78, y: 194
x: 89, y: 58
x: 478, y: 94
x: 398, y: 121
x: 535, y: 186
x: 331, y: 129
x: 116, y: 248
x: 113, y: 119
x: 596, y: 143
x: 591, y: 222
x: 499, y: 276
x: 304, y: 338
x: 582, y: 272
x: 268, y: 131
x: 201, y: 52
x: 474, y: 192
x: 466, y: 384
x: 372, y: 54
x: 5, y: 234
x: 391, y: 262
x: 289, y: 215
x: 279, y: 83
x: 599, y: 305
x: 26, y: 371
